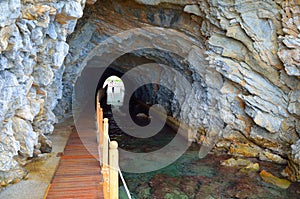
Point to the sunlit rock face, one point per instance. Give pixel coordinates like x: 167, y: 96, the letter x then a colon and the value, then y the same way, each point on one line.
x: 32, y: 50
x: 245, y: 61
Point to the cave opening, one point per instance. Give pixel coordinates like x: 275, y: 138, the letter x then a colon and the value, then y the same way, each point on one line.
x: 167, y: 41
x: 216, y: 80
x: 140, y: 98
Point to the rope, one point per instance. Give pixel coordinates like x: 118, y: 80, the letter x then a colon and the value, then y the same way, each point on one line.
x: 125, y: 185
x: 123, y: 180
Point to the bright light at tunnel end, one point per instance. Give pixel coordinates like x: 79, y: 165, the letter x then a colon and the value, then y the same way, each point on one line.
x: 84, y: 95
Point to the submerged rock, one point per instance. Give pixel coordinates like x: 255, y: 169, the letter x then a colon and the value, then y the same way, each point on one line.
x: 250, y: 167
x: 246, y: 164
x: 163, y: 186
x: 268, y: 177
x: 231, y: 162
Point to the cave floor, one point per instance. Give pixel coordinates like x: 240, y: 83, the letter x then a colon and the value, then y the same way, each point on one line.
x: 41, y: 170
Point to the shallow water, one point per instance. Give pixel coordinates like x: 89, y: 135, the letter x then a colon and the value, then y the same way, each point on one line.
x: 192, y: 178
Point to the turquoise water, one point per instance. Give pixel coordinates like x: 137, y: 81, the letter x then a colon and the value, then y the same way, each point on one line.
x: 192, y: 178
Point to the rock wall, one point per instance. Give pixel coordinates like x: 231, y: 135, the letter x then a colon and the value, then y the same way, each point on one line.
x: 33, y: 46
x: 253, y: 46
x: 254, y: 52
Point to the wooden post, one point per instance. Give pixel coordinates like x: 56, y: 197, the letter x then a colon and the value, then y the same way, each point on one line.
x: 100, y: 134
x: 105, y: 175
x: 114, y: 170
x: 105, y: 166
x: 101, y: 118
x: 105, y: 142
x: 98, y: 121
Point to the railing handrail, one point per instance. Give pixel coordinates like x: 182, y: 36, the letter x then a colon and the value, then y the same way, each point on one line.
x: 110, y: 157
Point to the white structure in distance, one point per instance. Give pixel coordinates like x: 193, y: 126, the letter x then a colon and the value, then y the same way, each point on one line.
x: 115, y: 90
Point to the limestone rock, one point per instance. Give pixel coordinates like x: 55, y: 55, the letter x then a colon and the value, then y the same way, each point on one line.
x: 250, y: 167
x: 157, y: 2
x: 4, y: 35
x: 247, y: 150
x: 9, y: 93
x: 36, y: 153
x: 268, y: 177
x: 25, y: 135
x: 28, y: 63
x: 61, y: 49
x: 14, y: 175
x: 46, y: 144
x: 10, y: 10
x: 294, y: 102
x: 193, y: 9
x: 43, y: 75
x: 290, y: 46
x: 9, y: 147
x: 267, y: 156
x: 232, y: 162
x: 34, y: 12
x: 71, y: 10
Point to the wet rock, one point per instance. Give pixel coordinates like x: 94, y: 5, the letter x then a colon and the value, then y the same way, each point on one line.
x: 144, y: 191
x: 267, y: 156
x: 246, y: 150
x: 164, y: 186
x: 250, y: 167
x: 231, y: 162
x: 292, y: 171
x: 268, y: 177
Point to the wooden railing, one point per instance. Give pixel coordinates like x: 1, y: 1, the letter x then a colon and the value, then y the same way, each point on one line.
x: 108, y: 155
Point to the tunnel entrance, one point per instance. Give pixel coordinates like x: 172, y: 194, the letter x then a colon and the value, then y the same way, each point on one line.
x: 115, y: 91
x: 202, y: 102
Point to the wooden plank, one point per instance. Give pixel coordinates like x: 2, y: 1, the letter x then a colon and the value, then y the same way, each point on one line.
x: 78, y: 174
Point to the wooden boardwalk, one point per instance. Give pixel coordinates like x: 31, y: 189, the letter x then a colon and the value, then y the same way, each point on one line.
x: 78, y: 174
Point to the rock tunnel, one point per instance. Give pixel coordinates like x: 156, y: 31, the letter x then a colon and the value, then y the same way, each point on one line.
x: 228, y: 70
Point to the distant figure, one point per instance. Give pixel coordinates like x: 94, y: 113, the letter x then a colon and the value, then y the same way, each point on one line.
x: 112, y: 86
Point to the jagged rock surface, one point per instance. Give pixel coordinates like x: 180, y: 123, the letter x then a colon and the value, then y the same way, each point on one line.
x: 247, y: 44
x: 32, y: 49
x: 248, y: 63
